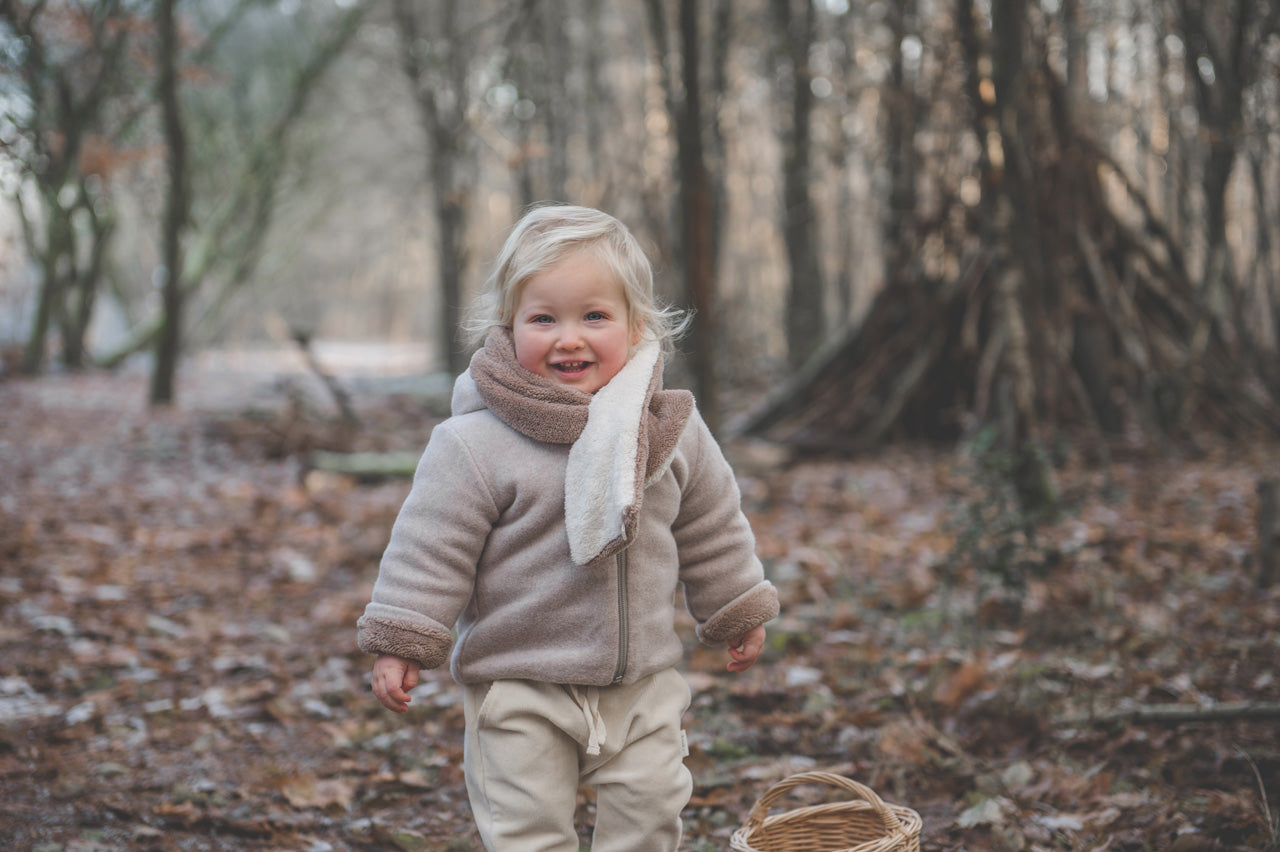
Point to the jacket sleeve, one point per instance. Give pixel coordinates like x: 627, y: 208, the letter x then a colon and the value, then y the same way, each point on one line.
x: 428, y: 569
x: 724, y: 585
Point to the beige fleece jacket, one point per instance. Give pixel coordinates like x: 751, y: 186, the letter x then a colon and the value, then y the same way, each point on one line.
x: 482, y: 544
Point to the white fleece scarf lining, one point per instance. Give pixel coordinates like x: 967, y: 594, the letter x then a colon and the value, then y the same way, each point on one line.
x: 600, y: 481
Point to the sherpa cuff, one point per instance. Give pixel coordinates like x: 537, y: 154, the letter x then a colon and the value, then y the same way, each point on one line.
x: 746, y: 612
x: 426, y: 644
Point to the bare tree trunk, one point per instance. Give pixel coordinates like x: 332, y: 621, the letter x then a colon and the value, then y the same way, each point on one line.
x: 452, y: 196
x: 101, y: 225
x: 843, y: 166
x: 452, y: 207
x: 1076, y: 31
x: 1265, y: 280
x: 720, y: 41
x: 697, y: 218
x: 441, y: 97
x: 1010, y: 224
x: 169, y: 344
x: 901, y: 241
x: 1219, y: 97
x: 51, y: 293
x: 806, y: 325
x: 697, y: 194
x: 63, y: 113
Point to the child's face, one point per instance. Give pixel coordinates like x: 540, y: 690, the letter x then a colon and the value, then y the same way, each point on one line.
x: 571, y: 324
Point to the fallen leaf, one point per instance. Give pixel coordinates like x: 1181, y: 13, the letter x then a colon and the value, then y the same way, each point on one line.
x: 1060, y: 822
x: 415, y: 778
x: 962, y: 683
x: 994, y: 811
x: 306, y: 791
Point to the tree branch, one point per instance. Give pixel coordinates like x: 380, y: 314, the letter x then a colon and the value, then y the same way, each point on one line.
x: 1175, y: 714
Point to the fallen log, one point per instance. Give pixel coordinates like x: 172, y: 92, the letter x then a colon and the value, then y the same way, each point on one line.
x: 367, y: 465
x: 1175, y: 714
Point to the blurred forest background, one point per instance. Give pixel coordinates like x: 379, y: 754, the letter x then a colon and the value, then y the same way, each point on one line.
x: 986, y: 305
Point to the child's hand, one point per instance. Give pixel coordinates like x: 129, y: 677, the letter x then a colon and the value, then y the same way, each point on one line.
x: 393, y: 677
x: 745, y: 649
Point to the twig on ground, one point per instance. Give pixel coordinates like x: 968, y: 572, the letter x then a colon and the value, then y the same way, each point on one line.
x: 1175, y: 714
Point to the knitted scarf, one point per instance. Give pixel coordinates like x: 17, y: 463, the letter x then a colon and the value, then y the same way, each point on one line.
x: 623, y: 436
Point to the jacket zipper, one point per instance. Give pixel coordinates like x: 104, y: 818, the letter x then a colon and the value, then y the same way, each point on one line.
x: 621, y: 667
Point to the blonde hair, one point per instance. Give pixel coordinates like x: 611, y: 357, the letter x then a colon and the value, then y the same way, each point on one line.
x: 546, y: 235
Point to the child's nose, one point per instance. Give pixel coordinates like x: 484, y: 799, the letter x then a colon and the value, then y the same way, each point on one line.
x: 570, y: 337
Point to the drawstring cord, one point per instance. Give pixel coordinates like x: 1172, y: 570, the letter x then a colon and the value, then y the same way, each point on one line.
x: 590, y: 706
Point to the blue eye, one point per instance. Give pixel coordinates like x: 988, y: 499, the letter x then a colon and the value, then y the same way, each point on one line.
x: 595, y: 316
x: 542, y: 318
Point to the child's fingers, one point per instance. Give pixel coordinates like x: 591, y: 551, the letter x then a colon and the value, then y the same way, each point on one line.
x: 392, y: 680
x: 393, y: 697
x: 398, y: 700
x: 745, y: 650
x: 751, y: 643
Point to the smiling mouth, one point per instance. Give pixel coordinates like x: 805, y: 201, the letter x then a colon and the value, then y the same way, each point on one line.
x: 571, y: 366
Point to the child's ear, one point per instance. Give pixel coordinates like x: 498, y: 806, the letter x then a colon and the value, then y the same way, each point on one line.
x: 638, y: 334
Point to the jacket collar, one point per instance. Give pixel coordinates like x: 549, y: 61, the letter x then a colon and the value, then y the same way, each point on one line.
x: 622, y: 437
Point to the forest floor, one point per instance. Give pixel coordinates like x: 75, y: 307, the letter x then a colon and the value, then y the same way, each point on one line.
x: 178, y: 593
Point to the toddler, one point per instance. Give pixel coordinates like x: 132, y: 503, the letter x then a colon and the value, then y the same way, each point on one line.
x: 551, y: 520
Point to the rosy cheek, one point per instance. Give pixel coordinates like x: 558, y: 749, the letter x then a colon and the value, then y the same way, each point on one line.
x: 524, y: 354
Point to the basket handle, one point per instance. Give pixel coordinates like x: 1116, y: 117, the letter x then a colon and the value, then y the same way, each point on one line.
x: 755, y: 819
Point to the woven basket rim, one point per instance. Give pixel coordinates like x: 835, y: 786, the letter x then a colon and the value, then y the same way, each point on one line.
x: 900, y: 825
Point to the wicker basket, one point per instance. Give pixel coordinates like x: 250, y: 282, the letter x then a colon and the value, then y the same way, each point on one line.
x: 865, y: 824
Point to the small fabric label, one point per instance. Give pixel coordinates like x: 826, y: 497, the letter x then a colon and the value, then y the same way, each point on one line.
x: 684, y: 743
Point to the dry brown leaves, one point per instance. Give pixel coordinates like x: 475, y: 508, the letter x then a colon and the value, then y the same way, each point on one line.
x: 178, y: 671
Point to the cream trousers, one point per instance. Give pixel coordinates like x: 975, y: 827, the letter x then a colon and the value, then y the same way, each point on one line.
x: 530, y: 745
